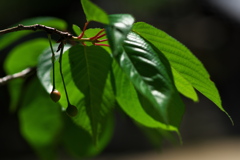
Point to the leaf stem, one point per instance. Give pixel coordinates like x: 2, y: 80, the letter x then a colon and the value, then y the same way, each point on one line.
x: 61, y: 46
x: 53, y: 60
x: 99, y: 44
x: 84, y: 28
x: 101, y: 36
x: 97, y: 35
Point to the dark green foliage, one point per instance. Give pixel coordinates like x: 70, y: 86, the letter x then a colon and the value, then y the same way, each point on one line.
x: 142, y: 71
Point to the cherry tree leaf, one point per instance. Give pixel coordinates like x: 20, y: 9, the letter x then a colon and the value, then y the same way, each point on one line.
x: 94, y: 13
x: 147, y: 69
x: 188, y: 71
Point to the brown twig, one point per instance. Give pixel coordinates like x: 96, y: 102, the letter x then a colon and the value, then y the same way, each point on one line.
x: 35, y: 27
x: 63, y: 35
x: 22, y: 74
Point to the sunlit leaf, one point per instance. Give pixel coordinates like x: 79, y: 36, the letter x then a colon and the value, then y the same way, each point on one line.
x: 128, y: 100
x: 75, y: 96
x: 9, y: 38
x: 90, y: 68
x: 175, y: 52
x: 45, y: 66
x: 121, y: 25
x: 184, y: 86
x: 40, y: 120
x: 85, y: 71
x: 93, y: 12
x: 185, y: 65
x: 76, y: 29
x: 148, y: 70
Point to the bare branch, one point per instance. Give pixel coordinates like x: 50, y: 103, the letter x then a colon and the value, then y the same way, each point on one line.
x: 24, y: 73
x: 35, y: 27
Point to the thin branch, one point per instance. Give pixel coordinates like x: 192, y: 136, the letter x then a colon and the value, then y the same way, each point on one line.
x: 63, y: 35
x: 22, y: 74
x: 35, y: 27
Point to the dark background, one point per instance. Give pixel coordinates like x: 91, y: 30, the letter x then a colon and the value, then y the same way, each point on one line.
x: 209, y: 30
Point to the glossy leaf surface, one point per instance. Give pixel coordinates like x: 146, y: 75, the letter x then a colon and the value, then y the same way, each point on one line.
x: 188, y: 71
x: 174, y: 51
x: 151, y: 75
x: 146, y: 67
x: 128, y: 100
x: 117, y: 31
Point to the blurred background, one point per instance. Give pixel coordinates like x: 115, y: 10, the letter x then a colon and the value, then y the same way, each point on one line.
x: 209, y: 28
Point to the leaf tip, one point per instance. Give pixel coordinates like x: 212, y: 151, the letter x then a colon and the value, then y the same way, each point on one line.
x: 230, y: 118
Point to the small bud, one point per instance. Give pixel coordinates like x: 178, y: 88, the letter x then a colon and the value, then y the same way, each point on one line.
x: 55, y: 95
x: 72, y: 110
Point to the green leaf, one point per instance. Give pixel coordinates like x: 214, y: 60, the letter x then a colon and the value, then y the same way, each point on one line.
x: 147, y: 68
x: 24, y: 55
x: 175, y: 52
x: 21, y: 57
x: 40, y: 120
x: 79, y: 143
x: 77, y: 29
x: 75, y: 96
x: 184, y: 86
x: 7, y: 39
x: 120, y: 26
x: 150, y: 74
x: 85, y: 72
x: 188, y: 70
x: 94, y: 13
x: 128, y: 100
x: 90, y: 67
x: 45, y: 66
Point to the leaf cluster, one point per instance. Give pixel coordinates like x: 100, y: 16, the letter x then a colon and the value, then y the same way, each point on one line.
x: 143, y: 73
